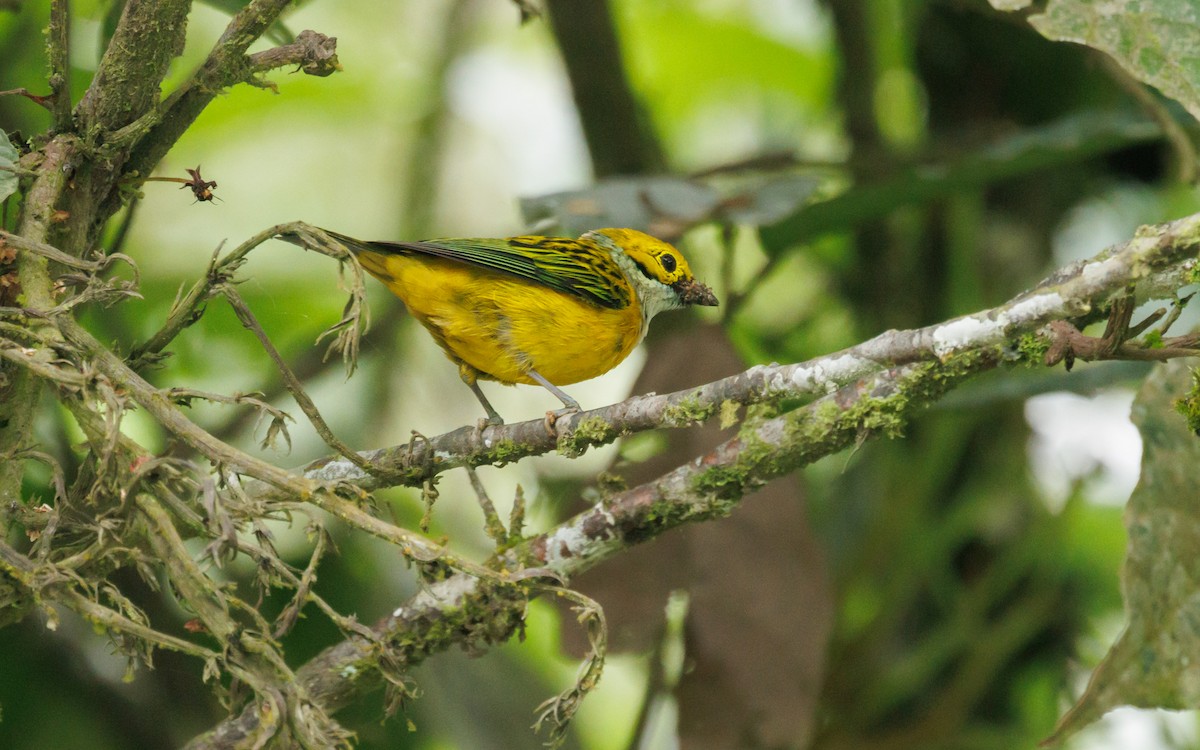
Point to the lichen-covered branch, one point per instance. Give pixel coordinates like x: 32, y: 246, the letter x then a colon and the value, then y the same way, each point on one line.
x: 1159, y: 261
x: 466, y: 611
x: 292, y: 487
x: 705, y: 488
x: 892, y: 379
x: 73, y: 182
x: 18, y: 387
x: 126, y: 85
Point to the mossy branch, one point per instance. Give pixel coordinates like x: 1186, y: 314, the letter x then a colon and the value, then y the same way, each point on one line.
x: 125, y: 88
x: 466, y: 611
x: 1159, y: 261
x: 883, y: 384
x: 58, y: 49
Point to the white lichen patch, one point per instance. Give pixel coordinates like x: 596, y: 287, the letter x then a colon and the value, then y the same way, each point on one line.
x: 805, y: 379
x: 1035, y: 307
x: 442, y: 593
x: 846, y: 367
x: 1101, y: 271
x: 571, y: 542
x: 964, y: 332
x: 337, y: 470
x: 773, y: 377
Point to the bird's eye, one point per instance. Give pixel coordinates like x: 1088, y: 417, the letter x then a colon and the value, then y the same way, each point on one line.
x: 668, y: 263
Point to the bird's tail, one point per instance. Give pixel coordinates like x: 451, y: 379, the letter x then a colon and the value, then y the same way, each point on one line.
x: 353, y: 245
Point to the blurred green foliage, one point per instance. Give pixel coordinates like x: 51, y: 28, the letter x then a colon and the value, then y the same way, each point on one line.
x: 950, y: 152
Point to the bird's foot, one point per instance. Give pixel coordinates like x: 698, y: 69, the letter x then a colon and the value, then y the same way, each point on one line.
x: 554, y: 415
x: 485, y: 422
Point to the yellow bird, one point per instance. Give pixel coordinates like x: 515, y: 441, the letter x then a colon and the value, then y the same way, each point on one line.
x: 537, y: 310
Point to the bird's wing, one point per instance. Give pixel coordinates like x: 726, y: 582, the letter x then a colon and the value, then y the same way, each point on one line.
x: 565, y: 265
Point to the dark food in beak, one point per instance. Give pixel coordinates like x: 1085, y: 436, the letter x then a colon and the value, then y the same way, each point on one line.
x: 692, y: 292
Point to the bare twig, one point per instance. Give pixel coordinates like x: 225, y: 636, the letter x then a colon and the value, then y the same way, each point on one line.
x: 293, y: 385
x: 42, y: 101
x: 279, y: 418
x: 310, y: 365
x: 491, y: 519
x: 557, y: 712
x: 52, y: 253
x: 313, y: 53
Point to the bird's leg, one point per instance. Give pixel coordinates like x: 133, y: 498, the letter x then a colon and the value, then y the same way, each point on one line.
x: 469, y: 376
x: 492, y: 416
x: 570, y: 405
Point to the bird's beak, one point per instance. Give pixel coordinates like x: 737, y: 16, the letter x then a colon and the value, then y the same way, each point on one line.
x: 692, y: 292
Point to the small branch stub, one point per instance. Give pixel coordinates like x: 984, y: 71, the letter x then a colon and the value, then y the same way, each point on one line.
x: 201, y: 188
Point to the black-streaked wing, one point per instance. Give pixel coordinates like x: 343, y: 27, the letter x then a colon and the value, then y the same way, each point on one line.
x: 557, y: 263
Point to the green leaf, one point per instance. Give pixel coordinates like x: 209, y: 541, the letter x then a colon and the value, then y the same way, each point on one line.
x: 8, y: 167
x: 1153, y: 663
x: 1156, y: 41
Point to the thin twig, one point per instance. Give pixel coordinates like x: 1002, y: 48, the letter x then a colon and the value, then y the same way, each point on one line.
x: 491, y: 519
x: 313, y: 53
x: 279, y: 418
x: 42, y: 101
x: 557, y: 712
x: 321, y: 494
x: 293, y: 385
x: 58, y: 256
x: 186, y: 311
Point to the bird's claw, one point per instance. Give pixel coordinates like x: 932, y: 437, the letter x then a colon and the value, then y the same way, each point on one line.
x: 554, y: 415
x: 483, y: 423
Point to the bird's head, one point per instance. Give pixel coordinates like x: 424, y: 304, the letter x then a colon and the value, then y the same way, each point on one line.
x: 660, y: 269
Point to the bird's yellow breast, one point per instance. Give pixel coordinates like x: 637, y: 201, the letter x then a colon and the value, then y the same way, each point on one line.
x: 503, y: 326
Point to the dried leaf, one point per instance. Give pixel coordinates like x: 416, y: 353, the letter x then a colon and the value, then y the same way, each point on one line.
x: 8, y: 166
x: 668, y: 206
x: 1156, y: 41
x: 646, y: 203
x: 1153, y: 663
